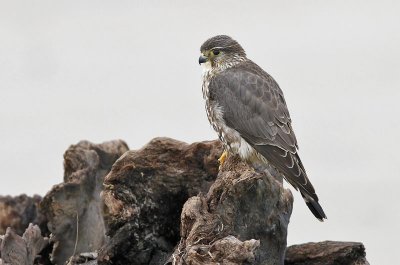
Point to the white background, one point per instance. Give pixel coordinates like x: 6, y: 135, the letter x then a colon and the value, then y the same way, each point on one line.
x: 103, y: 70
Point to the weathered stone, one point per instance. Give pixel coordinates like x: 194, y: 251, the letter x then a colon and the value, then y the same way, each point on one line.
x: 17, y: 250
x: 88, y: 258
x: 238, y: 217
x: 244, y: 211
x: 74, y: 208
x: 326, y: 253
x: 19, y: 211
x: 145, y: 192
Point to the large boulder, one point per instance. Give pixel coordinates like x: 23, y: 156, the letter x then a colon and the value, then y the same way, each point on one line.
x: 144, y: 194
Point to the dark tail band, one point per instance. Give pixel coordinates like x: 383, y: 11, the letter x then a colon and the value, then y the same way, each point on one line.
x: 315, y: 208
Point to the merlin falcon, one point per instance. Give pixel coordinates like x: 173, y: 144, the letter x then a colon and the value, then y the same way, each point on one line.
x: 247, y: 109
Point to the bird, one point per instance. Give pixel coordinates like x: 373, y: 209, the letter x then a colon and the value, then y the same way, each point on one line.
x: 247, y: 109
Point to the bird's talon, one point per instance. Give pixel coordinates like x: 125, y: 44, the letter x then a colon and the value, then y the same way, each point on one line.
x: 222, y: 158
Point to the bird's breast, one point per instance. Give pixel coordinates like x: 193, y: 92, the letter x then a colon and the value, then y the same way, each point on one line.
x: 231, y: 139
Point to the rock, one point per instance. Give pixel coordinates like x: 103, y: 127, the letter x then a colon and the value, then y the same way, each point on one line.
x: 74, y: 208
x: 88, y: 258
x: 326, y: 253
x: 19, y: 211
x: 17, y: 250
x: 243, y: 219
x: 165, y: 203
x: 145, y: 192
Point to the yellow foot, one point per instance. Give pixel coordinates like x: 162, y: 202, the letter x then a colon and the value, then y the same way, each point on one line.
x: 222, y: 158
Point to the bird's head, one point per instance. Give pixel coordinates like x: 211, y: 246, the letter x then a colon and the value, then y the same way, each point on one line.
x: 222, y: 52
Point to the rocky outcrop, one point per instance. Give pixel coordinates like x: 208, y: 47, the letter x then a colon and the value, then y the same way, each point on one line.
x: 327, y: 253
x: 243, y: 219
x: 19, y: 211
x: 145, y: 192
x: 74, y: 209
x: 167, y: 203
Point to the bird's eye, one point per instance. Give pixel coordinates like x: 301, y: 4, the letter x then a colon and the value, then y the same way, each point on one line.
x: 216, y: 52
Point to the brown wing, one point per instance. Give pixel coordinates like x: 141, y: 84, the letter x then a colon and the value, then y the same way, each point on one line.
x: 254, y: 105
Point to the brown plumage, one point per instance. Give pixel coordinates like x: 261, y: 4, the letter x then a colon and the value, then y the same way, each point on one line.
x: 248, y: 110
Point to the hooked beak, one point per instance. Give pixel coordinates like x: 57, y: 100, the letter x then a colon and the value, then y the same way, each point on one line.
x: 202, y: 59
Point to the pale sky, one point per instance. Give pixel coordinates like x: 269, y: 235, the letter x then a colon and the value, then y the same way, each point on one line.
x: 103, y: 70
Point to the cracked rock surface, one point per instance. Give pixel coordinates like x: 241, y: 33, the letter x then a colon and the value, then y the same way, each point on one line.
x: 243, y: 219
x: 18, y: 212
x: 166, y: 203
x: 21, y: 250
x: 74, y: 208
x: 145, y: 192
x: 327, y: 253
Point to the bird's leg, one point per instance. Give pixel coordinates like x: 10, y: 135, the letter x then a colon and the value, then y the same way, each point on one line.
x: 222, y: 158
